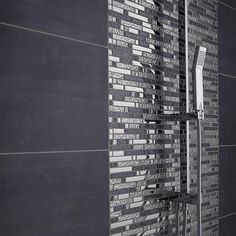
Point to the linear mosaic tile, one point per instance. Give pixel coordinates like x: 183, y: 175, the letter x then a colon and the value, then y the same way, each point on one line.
x: 203, y: 31
x: 146, y: 83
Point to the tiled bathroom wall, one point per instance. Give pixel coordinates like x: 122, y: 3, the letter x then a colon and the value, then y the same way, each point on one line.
x: 227, y: 98
x: 203, y: 29
x: 53, y: 118
x: 144, y: 78
x: 147, y: 81
x: 59, y: 62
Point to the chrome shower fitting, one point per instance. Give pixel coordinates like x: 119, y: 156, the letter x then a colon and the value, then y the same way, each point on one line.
x: 199, y: 106
x: 184, y: 197
x: 198, y: 115
x: 199, y: 100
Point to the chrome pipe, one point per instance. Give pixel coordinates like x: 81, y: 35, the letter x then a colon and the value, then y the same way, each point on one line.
x: 187, y: 111
x: 199, y: 179
x: 187, y: 96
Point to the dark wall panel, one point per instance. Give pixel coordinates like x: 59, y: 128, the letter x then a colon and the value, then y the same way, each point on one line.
x: 53, y: 93
x: 227, y: 180
x: 227, y: 95
x: 227, y: 100
x: 231, y: 3
x: 84, y: 20
x: 54, y: 194
x: 227, y: 226
x: 227, y: 39
x: 53, y: 107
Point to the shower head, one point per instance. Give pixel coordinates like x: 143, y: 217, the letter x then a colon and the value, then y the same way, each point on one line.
x: 201, y: 56
x: 199, y: 97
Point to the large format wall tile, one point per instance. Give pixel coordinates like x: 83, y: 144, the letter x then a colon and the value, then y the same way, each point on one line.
x: 54, y: 195
x: 53, y: 93
x: 227, y: 39
x: 227, y: 100
x: 231, y: 3
x: 227, y: 180
x: 227, y: 226
x: 84, y: 19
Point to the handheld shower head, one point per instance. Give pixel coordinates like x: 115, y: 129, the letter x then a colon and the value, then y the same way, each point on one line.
x: 199, y: 98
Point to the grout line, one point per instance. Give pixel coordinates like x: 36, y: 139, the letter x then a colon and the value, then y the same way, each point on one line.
x: 53, y: 35
x: 227, y: 5
x: 227, y: 75
x: 225, y: 216
x: 229, y: 145
x: 52, y: 152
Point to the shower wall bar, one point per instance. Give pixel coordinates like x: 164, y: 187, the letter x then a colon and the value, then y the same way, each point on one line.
x: 187, y: 95
x: 199, y: 106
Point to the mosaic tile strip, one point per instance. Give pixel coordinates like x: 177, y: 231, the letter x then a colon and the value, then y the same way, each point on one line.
x: 146, y: 80
x: 203, y: 31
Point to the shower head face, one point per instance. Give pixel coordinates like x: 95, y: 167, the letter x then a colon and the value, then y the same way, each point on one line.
x: 201, y: 57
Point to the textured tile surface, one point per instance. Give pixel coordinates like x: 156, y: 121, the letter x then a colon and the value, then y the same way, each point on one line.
x: 83, y: 19
x: 227, y: 226
x: 54, y: 195
x: 53, y: 93
x: 147, y: 80
x: 227, y: 96
x: 227, y: 39
x: 227, y: 180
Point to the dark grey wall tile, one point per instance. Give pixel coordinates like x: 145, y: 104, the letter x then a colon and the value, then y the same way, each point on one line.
x: 83, y: 19
x: 54, y: 194
x: 227, y: 39
x: 227, y: 180
x: 227, y: 101
x: 231, y: 3
x: 227, y: 226
x: 53, y: 93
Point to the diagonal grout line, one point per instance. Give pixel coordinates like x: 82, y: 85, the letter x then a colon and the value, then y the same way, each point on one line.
x: 227, y: 5
x: 53, y: 35
x: 52, y: 152
x: 227, y: 75
x: 225, y: 216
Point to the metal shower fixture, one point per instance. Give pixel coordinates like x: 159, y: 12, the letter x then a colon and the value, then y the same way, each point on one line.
x: 199, y: 99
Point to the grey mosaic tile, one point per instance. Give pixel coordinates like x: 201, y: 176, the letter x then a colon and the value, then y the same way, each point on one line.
x: 147, y: 79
